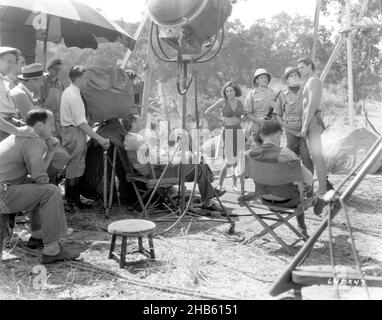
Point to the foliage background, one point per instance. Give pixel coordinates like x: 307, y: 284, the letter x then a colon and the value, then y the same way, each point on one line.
x: 273, y: 44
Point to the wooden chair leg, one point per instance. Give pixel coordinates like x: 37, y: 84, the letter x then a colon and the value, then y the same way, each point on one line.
x: 123, y: 253
x: 140, y: 245
x: 151, y: 245
x: 112, y: 246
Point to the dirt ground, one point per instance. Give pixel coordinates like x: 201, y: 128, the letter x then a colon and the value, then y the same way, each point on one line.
x: 197, y: 255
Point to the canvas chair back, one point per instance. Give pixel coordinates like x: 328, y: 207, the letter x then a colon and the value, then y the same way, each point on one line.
x: 274, y: 174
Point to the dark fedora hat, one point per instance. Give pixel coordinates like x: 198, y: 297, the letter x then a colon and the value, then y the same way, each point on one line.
x: 32, y: 71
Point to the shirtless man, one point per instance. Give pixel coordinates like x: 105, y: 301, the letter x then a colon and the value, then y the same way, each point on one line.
x: 313, y: 126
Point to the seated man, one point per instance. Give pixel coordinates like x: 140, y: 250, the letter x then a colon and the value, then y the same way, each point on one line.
x: 286, y: 196
x: 24, y: 185
x: 136, y: 144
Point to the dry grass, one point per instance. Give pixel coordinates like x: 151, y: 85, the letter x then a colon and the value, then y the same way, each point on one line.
x: 194, y: 255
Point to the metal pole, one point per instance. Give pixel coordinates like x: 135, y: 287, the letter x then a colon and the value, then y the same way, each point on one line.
x: 45, y: 50
x: 112, y: 181
x: 147, y: 83
x: 333, y: 57
x: 350, y: 68
x: 316, y: 25
x: 284, y: 282
x: 183, y: 146
x: 137, y: 35
x: 105, y: 183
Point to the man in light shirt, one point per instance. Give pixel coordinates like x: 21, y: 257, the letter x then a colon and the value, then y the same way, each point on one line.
x: 259, y: 102
x: 8, y: 121
x: 74, y: 129
x: 24, y: 185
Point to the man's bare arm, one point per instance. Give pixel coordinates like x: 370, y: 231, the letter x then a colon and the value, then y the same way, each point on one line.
x: 314, y: 87
x: 105, y: 143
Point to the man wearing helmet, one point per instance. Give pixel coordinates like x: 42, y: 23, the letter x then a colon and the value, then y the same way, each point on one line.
x: 260, y: 102
x: 288, y: 111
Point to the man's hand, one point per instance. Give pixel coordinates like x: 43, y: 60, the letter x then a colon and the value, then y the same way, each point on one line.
x: 26, y: 132
x: 42, y: 179
x: 52, y: 143
x: 105, y: 143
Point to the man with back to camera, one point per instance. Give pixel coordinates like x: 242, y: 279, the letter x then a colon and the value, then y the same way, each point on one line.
x: 24, y: 186
x: 270, y: 151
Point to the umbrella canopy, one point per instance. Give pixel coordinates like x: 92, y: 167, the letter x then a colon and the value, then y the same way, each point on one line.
x: 78, y: 24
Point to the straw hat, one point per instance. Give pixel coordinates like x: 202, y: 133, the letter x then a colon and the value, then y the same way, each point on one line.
x: 32, y: 71
x: 258, y: 73
x: 4, y: 50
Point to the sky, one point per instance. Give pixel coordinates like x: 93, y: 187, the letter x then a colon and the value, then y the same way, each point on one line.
x: 246, y: 11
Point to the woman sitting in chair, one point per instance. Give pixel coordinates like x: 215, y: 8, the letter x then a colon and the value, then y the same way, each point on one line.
x: 137, y: 148
x: 287, y: 195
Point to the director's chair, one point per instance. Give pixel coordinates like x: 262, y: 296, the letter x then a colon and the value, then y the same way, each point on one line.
x: 276, y: 174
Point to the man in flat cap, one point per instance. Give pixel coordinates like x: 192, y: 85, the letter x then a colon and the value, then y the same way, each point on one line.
x: 8, y: 111
x: 51, y: 92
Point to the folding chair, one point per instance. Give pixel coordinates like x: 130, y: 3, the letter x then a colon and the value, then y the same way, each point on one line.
x: 151, y: 185
x: 276, y: 174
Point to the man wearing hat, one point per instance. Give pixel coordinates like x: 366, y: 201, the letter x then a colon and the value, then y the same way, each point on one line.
x: 51, y: 92
x: 74, y: 129
x: 288, y: 111
x: 26, y: 93
x: 285, y: 196
x: 313, y: 126
x: 16, y: 70
x: 260, y: 101
x: 8, y: 123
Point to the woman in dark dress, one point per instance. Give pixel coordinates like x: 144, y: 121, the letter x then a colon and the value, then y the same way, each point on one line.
x: 232, y: 111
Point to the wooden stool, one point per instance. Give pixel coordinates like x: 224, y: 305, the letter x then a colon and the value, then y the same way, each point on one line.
x: 131, y: 229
